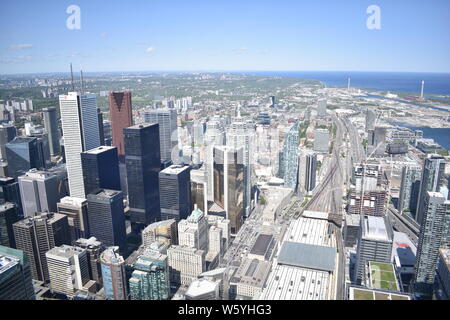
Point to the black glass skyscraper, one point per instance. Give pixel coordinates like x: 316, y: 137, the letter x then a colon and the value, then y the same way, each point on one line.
x: 23, y: 154
x: 51, y: 126
x: 100, y: 169
x: 143, y: 162
x: 106, y: 218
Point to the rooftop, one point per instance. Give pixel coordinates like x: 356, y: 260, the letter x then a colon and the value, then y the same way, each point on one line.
x: 307, y: 256
x: 262, y: 244
x: 64, y: 251
x: 367, y: 294
x: 382, y: 276
x: 100, y: 149
x: 375, y: 228
x: 201, y: 287
x: 174, y: 169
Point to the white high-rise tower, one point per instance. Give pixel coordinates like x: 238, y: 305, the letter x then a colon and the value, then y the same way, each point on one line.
x: 421, y: 90
x: 81, y: 133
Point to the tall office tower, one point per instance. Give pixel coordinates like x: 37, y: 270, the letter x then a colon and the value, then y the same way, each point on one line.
x: 377, y: 141
x: 9, y: 214
x: 409, y: 189
x: 68, y: 269
x: 222, y: 224
x: 242, y: 135
x: 168, y: 134
x: 10, y: 192
x: 175, y: 192
x: 81, y: 133
x: 7, y: 133
x: 150, y: 278
x: 322, y: 108
x: 15, y: 275
x: 272, y: 101
x: 433, y: 235
x: 100, y: 169
x: 107, y: 219
x: 321, y: 140
x: 193, y: 232
x: 76, y: 210
x: 113, y: 274
x: 374, y: 244
x: 165, y: 231
x: 93, y: 249
x: 185, y: 264
x: 39, y: 192
x: 36, y: 235
x: 51, y: 126
x: 199, y: 195
x: 432, y: 179
x: 142, y: 159
x: 120, y: 113
x: 370, y: 120
x: 228, y: 187
x: 107, y: 133
x: 310, y: 171
x: 214, y: 136
x: 23, y: 154
x: 289, y: 161
x: 101, y: 130
x: 199, y: 129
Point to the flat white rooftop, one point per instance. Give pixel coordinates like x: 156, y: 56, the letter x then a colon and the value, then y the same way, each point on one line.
x: 309, y: 231
x: 375, y: 228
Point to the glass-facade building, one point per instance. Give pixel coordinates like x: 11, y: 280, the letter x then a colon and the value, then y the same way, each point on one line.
x: 143, y: 163
x: 23, y: 154
x: 229, y: 184
x: 175, y: 192
x: 150, y: 278
x: 100, y: 169
x: 290, y: 158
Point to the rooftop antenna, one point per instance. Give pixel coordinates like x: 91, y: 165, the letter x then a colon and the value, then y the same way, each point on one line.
x: 82, y: 82
x: 71, y: 74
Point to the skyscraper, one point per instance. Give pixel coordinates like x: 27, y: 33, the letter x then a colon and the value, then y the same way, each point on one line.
x: 93, y: 249
x: 214, y: 136
x: 370, y: 120
x: 8, y: 216
x: 432, y: 179
x: 107, y: 219
x: 168, y: 134
x: 321, y: 140
x: 15, y: 275
x: 81, y: 133
x: 120, y: 112
x: 409, y: 189
x: 289, y: 163
x: 310, y: 172
x: 10, y: 192
x: 23, y: 154
x: 241, y: 134
x: 193, y: 231
x: 374, y: 244
x: 113, y: 274
x: 100, y: 169
x: 175, y: 192
x: 228, y: 187
x: 101, y: 129
x: 150, y: 278
x: 68, y: 269
x: 199, y: 195
x: 36, y: 235
x: 7, y: 133
x: 142, y: 158
x: 322, y: 108
x: 39, y: 192
x: 51, y: 126
x: 436, y: 210
x: 76, y: 210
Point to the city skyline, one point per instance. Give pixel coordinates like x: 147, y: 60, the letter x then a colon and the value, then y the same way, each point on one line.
x: 232, y: 36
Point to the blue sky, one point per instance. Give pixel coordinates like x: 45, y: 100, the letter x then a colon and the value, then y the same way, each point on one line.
x: 190, y: 35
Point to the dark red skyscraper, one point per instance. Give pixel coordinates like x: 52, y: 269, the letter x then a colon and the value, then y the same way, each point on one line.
x: 121, y: 117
